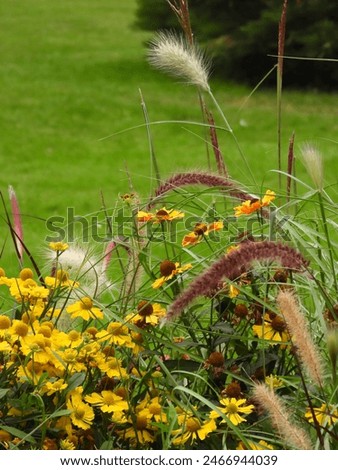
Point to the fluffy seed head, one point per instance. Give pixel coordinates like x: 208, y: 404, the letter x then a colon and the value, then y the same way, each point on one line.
x: 313, y: 162
x: 306, y: 349
x: 81, y: 264
x: 289, y: 431
x: 172, y: 54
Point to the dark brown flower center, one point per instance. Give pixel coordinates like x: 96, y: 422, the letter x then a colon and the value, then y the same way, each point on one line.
x: 241, y: 310
x: 233, y: 390
x: 216, y: 359
x: 278, y: 324
x: 144, y: 308
x: 141, y: 423
x: 162, y: 213
x: 193, y: 425
x: 200, y: 229
x: 167, y: 267
x: 280, y: 276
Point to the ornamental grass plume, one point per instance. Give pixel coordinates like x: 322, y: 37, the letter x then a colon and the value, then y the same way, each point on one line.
x: 83, y: 265
x: 231, y: 266
x: 301, y: 338
x: 313, y: 161
x: 174, y: 55
x: 210, y: 180
x: 17, y: 223
x: 289, y: 432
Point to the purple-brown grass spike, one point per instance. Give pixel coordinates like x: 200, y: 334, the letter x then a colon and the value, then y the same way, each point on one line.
x: 17, y: 223
x: 180, y: 180
x: 231, y: 266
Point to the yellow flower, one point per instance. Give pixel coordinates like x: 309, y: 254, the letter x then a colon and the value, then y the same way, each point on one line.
x: 144, y: 216
x: 27, y: 289
x: 113, y: 368
x: 4, y: 280
x: 66, y: 444
x: 273, y: 329
x: 139, y: 432
x: 53, y: 387
x: 38, y: 347
x: 232, y: 409
x: 108, y: 401
x: 82, y: 415
x: 5, y: 324
x: 33, y: 371
x: 61, y: 279
x: 273, y: 381
x: 58, y: 246
x: 5, y: 436
x: 161, y: 215
x: 117, y: 333
x: 253, y: 205
x: 261, y: 445
x: 147, y: 314
x: 152, y: 409
x: 5, y: 347
x: 200, y: 231
x: 192, y: 428
x: 233, y: 292
x: 19, y: 329
x: 247, y: 207
x: 268, y: 198
x: 168, y: 270
x: 84, y: 308
x: 325, y: 415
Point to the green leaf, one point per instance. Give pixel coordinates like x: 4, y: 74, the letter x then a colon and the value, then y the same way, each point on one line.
x: 3, y: 392
x: 107, y: 445
x: 182, y: 364
x: 75, y: 381
x: 60, y: 413
x: 17, y: 433
x: 224, y: 328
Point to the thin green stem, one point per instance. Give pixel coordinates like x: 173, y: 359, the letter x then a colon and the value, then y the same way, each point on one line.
x: 230, y: 130
x: 327, y: 235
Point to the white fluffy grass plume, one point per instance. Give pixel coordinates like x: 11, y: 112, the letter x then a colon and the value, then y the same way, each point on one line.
x: 173, y: 55
x: 83, y: 266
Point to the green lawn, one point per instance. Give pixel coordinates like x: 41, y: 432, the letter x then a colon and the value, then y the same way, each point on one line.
x: 70, y: 75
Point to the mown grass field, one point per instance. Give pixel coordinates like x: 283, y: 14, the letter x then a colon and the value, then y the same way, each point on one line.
x: 71, y: 74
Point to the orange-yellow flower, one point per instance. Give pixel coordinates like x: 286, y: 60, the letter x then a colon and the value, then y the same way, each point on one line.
x: 268, y: 197
x: 253, y: 205
x: 144, y: 216
x: 200, y: 231
x: 168, y: 270
x: 161, y: 215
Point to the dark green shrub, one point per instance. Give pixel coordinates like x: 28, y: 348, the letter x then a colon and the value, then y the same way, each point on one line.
x: 241, y: 37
